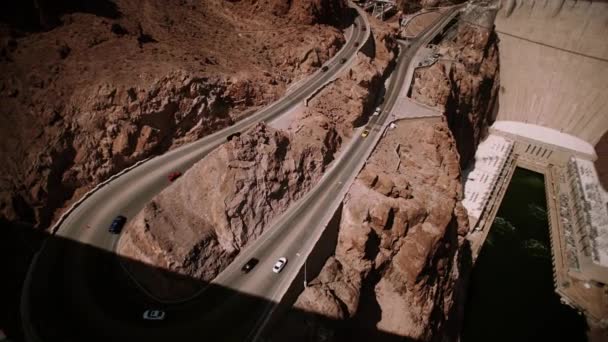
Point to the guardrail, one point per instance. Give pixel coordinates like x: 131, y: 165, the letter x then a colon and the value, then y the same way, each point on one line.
x: 89, y: 193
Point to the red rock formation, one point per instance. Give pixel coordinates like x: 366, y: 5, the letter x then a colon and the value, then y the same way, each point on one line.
x: 302, y: 11
x: 400, y: 245
x: 226, y: 200
x: 197, y: 226
x: 101, y: 91
x: 465, y: 86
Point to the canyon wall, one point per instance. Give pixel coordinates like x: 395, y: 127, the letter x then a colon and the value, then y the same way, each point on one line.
x: 401, y: 262
x: 225, y: 201
x: 463, y: 83
x: 400, y: 250
x: 98, y: 91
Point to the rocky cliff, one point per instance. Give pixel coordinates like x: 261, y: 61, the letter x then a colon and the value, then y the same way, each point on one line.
x: 198, y: 225
x: 104, y: 87
x: 401, y: 262
x: 601, y: 164
x: 299, y: 11
x: 464, y: 84
x: 400, y: 247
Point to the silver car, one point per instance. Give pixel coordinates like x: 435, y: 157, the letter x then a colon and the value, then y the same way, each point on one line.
x: 154, y: 315
x: 278, y: 266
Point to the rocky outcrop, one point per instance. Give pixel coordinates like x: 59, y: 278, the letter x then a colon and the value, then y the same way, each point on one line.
x: 464, y: 85
x: 99, y: 92
x: 601, y: 164
x: 197, y: 226
x: 303, y: 11
x: 400, y: 247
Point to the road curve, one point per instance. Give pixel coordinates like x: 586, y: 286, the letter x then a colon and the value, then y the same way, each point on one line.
x: 295, y: 233
x: 127, y: 194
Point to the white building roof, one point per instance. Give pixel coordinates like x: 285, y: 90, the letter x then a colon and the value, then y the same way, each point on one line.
x: 482, y: 175
x: 596, y: 201
x: 546, y: 135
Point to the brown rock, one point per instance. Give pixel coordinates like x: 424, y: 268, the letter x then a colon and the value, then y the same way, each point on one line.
x: 225, y: 201
x: 465, y: 90
x: 397, y: 251
x: 116, y: 104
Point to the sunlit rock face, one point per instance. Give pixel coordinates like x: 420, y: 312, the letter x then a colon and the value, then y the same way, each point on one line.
x: 89, y: 89
x: 401, y: 249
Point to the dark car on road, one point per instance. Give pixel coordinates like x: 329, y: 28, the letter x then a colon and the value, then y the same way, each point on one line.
x: 174, y: 175
x: 324, y: 68
x: 117, y: 224
x: 249, y: 265
x: 343, y: 60
x: 233, y: 135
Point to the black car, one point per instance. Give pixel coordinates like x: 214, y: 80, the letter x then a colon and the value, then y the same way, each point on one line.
x: 356, y: 44
x: 324, y: 68
x: 249, y: 265
x: 233, y: 135
x: 117, y: 224
x: 343, y: 60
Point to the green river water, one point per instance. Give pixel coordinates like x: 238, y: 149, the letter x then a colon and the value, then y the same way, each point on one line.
x: 511, y: 294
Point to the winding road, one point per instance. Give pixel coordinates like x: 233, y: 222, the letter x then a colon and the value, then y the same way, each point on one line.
x: 73, y: 291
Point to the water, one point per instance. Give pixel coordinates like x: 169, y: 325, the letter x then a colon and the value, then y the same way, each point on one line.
x: 511, y: 295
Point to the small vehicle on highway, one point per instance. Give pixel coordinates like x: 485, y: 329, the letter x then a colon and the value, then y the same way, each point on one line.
x: 376, y: 111
x: 356, y: 44
x: 117, y: 224
x: 174, y: 175
x: 324, y: 68
x: 365, y: 133
x: 249, y: 265
x: 343, y: 60
x: 154, y: 315
x: 233, y: 135
x: 278, y: 266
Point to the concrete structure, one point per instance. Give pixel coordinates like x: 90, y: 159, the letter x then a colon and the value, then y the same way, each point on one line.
x: 492, y: 163
x: 589, y: 218
x: 554, y: 65
x: 379, y: 8
x: 383, y: 7
x: 576, y: 206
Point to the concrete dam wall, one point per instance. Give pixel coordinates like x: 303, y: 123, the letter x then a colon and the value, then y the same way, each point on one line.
x: 554, y: 65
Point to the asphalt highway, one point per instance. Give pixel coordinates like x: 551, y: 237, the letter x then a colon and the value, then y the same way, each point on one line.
x: 294, y: 233
x: 126, y: 195
x: 92, y: 302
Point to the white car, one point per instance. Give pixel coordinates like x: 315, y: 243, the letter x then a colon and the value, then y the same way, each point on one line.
x: 278, y: 266
x: 377, y: 111
x: 154, y: 315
